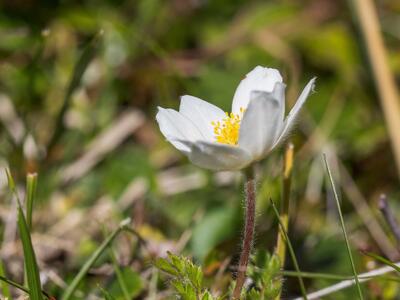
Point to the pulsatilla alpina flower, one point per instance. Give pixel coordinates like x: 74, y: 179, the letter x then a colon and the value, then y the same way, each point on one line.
x: 216, y: 140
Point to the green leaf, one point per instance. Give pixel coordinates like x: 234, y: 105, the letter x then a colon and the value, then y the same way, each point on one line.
x: 253, y: 294
x: 195, y: 275
x: 179, y: 286
x: 32, y: 271
x: 133, y: 285
x: 177, y: 262
x: 207, y: 296
x: 10, y: 181
x: 20, y: 287
x: 31, y: 268
x: 185, y: 290
x: 120, y: 277
x: 382, y: 260
x: 164, y: 265
x: 92, y: 259
x: 188, y: 277
x: 215, y: 227
x: 79, y: 69
x: 4, y: 284
x: 290, y: 248
x: 266, y: 275
x: 343, y: 229
x: 31, y: 184
x: 106, y: 294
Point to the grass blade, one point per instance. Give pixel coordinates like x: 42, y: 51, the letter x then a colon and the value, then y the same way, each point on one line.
x: 92, y: 259
x: 284, y: 213
x: 382, y: 260
x: 80, y: 67
x: 32, y: 270
x: 4, y: 285
x: 368, y: 21
x: 20, y: 287
x: 364, y: 277
x: 291, y: 251
x: 343, y: 229
x: 31, y: 184
x: 14, y: 284
x: 325, y: 276
x: 106, y: 295
x: 119, y: 275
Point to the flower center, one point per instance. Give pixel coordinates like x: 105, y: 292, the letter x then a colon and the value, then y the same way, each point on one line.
x: 226, y: 131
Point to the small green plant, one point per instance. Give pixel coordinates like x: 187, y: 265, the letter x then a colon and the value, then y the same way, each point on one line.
x: 265, y: 273
x: 187, y: 278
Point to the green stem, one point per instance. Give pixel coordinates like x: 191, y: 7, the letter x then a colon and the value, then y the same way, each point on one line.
x: 85, y: 268
x: 343, y: 228
x: 284, y: 214
x: 5, y: 289
x: 326, y: 276
x: 291, y: 251
x: 31, y: 186
x: 119, y: 274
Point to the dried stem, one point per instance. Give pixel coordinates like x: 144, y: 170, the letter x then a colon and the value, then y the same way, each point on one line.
x: 284, y: 213
x: 388, y: 93
x: 389, y: 217
x: 248, y: 232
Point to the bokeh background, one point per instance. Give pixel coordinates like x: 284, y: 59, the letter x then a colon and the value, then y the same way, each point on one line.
x: 80, y: 82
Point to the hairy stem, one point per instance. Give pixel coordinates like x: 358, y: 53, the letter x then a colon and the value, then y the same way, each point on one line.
x: 248, y: 232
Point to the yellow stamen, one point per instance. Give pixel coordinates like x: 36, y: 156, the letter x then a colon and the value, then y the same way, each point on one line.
x: 226, y: 131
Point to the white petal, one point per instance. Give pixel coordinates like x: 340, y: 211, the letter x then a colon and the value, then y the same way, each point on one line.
x: 216, y: 156
x: 259, y: 79
x: 201, y: 113
x: 175, y: 126
x: 291, y: 117
x: 262, y: 121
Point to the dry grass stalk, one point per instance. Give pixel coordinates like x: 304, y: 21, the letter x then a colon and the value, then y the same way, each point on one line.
x: 388, y: 93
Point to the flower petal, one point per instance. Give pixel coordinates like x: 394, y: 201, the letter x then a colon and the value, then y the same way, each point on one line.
x: 218, y: 157
x: 175, y: 126
x: 259, y: 79
x: 262, y: 121
x: 291, y: 117
x: 201, y: 113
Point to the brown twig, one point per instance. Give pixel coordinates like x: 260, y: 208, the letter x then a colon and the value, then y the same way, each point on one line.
x: 248, y: 232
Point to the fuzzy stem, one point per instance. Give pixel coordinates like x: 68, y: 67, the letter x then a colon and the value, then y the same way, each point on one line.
x: 248, y: 232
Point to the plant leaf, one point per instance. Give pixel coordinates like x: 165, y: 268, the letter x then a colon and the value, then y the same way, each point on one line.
x: 92, y: 259
x: 32, y: 270
x: 382, y: 260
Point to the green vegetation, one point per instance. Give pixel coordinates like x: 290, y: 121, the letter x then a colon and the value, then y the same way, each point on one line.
x: 94, y: 203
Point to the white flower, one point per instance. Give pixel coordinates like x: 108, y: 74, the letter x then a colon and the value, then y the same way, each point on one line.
x: 216, y: 140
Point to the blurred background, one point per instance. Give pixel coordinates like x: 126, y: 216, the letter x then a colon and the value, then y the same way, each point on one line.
x: 80, y: 82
